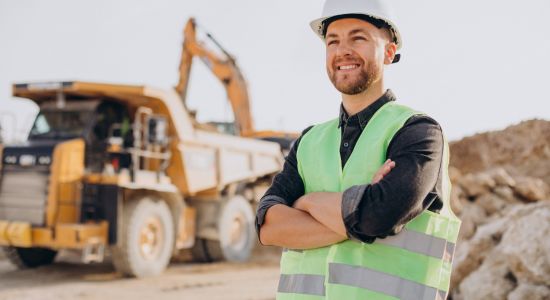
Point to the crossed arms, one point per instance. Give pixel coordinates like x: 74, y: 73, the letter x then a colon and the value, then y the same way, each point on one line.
x: 398, y: 192
x: 314, y: 221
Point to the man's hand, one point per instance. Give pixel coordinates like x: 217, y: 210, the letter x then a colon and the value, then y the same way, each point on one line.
x: 383, y: 171
x: 326, y: 207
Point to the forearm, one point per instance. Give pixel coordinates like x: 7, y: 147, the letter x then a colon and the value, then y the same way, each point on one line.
x: 325, y: 207
x: 295, y: 229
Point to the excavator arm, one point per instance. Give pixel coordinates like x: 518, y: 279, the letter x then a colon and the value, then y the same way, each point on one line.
x: 224, y: 68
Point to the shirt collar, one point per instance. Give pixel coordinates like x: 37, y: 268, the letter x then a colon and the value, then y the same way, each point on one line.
x: 363, y: 117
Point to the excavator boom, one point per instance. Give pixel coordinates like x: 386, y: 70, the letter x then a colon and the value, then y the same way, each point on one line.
x: 224, y: 68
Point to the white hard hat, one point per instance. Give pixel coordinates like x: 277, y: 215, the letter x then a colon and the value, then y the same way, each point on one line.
x: 371, y: 9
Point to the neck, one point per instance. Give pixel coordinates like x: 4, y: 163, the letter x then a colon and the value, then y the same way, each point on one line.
x: 356, y: 103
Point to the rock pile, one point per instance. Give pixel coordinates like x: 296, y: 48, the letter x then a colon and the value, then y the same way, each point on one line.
x: 503, y: 250
x: 522, y: 150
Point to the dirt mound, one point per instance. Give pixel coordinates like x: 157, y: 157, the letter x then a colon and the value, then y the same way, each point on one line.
x: 522, y: 150
x: 501, y: 192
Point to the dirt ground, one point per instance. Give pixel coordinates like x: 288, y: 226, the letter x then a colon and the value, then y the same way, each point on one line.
x: 69, y: 279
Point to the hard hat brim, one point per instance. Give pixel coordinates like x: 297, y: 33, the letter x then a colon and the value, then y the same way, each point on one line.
x: 317, y: 27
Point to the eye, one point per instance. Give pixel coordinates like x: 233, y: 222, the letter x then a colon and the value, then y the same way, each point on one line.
x: 359, y: 38
x: 332, y: 42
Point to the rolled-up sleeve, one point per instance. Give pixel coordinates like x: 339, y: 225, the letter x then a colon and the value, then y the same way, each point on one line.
x: 286, y: 188
x: 378, y: 210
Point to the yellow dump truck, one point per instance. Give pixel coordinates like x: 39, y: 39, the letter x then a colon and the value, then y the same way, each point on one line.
x: 127, y: 169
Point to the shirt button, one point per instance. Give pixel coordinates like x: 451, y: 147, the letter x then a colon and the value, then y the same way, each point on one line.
x: 346, y: 144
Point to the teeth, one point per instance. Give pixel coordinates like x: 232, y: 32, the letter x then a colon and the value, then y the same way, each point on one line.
x: 348, y: 67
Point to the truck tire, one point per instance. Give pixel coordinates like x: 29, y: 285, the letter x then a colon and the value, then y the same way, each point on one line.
x: 24, y: 258
x: 236, y: 232
x: 147, y: 238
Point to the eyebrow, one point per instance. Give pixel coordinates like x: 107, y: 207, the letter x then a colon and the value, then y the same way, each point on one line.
x: 359, y: 30
x: 352, y: 32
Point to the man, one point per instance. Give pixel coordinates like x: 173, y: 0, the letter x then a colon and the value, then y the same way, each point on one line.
x: 362, y: 204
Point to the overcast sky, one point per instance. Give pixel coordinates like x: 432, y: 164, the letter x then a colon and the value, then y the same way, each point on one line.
x: 472, y: 65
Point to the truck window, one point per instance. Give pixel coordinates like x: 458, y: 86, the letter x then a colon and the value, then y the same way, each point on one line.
x: 59, y: 124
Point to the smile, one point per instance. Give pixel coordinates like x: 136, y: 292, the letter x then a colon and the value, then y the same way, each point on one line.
x: 348, y: 67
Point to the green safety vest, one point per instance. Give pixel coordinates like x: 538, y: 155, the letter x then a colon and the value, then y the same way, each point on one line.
x: 414, y: 264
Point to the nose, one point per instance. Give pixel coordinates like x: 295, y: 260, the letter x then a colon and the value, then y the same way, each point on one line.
x: 343, y: 49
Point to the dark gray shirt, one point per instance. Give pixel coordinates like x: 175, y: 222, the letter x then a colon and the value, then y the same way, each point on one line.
x: 373, y: 211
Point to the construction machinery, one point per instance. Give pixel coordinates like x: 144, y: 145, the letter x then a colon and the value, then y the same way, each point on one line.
x: 224, y: 66
x: 127, y: 170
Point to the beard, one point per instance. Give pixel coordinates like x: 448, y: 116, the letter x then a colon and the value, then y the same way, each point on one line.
x: 353, y: 84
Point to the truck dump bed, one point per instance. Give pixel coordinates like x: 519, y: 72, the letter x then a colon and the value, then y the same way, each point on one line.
x: 201, y: 160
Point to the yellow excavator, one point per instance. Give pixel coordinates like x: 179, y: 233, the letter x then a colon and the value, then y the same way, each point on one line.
x: 227, y: 71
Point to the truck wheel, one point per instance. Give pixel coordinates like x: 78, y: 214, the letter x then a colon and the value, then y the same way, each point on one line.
x: 236, y: 231
x: 147, y: 239
x: 24, y: 258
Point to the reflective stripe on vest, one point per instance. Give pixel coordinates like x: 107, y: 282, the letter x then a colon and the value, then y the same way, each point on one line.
x: 367, y: 278
x: 413, y: 264
x: 415, y: 242
x: 303, y: 274
x: 420, y: 243
x: 381, y: 282
x: 302, y: 284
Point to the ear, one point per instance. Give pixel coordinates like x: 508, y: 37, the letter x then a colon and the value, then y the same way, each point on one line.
x: 389, y: 53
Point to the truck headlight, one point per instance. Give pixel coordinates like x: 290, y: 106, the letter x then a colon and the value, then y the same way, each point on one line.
x: 27, y: 160
x: 44, y: 160
x: 10, y: 159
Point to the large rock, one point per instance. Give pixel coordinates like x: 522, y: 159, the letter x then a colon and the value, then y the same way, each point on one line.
x: 467, y: 230
x: 490, y: 282
x: 491, y: 203
x: 531, y: 189
x: 457, y: 199
x: 508, y: 250
x: 471, y: 216
x: 526, y: 291
x: 473, y: 212
x: 506, y: 193
x: 477, y: 184
x: 526, y: 245
x: 520, y: 211
x: 454, y: 174
x: 470, y: 254
x: 502, y: 178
